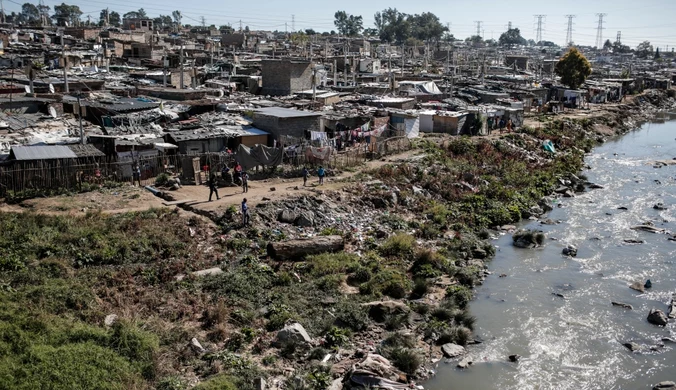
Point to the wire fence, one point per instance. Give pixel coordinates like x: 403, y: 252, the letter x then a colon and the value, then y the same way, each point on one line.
x: 60, y: 176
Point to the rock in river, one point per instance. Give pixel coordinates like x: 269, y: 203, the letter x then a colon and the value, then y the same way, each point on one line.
x: 623, y: 305
x: 666, y: 385
x: 632, y: 346
x: 465, y: 363
x: 570, y: 250
x: 657, y: 317
x: 451, y: 350
x: 638, y: 286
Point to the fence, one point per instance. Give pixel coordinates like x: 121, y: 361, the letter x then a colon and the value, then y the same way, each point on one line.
x: 44, y: 177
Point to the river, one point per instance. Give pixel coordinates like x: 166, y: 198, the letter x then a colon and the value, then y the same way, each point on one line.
x: 576, y: 342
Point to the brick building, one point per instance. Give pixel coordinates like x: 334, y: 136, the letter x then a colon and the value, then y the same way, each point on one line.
x: 285, y: 77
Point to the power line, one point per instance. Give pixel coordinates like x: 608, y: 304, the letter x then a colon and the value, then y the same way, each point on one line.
x: 599, y: 31
x: 569, y: 33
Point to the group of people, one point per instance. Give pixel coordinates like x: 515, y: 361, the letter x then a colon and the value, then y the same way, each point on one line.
x: 321, y: 173
x: 240, y: 177
x: 495, y: 123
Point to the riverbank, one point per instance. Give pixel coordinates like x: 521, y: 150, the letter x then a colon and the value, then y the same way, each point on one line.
x: 413, y: 231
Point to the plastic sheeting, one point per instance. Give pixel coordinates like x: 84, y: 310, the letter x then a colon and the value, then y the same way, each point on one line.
x: 412, y: 128
x: 259, y: 155
x: 321, y: 154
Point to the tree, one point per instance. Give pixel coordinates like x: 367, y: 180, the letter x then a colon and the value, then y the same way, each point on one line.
x: 65, y: 14
x: 30, y: 13
x: 112, y: 17
x: 348, y: 25
x: 511, y: 37
x: 426, y: 27
x: 657, y: 53
x: 310, y: 31
x: 608, y: 45
x: 573, y: 68
x: 177, y: 18
x: 393, y: 26
x: 475, y: 41
x: 644, y: 49
x: 140, y: 14
x: 225, y: 29
x: 370, y: 32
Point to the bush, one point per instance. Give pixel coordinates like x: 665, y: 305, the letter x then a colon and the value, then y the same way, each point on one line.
x: 332, y: 263
x: 389, y: 282
x: 456, y: 335
x: 337, y: 337
x: 219, y: 382
x: 359, y: 276
x: 136, y: 345
x: 161, y: 180
x: 459, y: 295
x: 400, y: 245
x: 171, y: 383
x: 469, y: 276
x: 430, y: 264
x: 420, y: 288
x: 351, y: 314
x: 407, y: 360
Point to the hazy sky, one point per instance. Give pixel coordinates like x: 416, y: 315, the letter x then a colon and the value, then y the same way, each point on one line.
x: 639, y: 20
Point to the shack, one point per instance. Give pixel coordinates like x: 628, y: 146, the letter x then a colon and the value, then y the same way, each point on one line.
x: 286, y: 122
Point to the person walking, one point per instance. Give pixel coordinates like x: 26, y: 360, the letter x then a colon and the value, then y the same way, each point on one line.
x: 306, y: 173
x: 509, y: 125
x: 136, y: 175
x: 321, y: 173
x: 213, y: 187
x: 245, y: 182
x: 245, y: 213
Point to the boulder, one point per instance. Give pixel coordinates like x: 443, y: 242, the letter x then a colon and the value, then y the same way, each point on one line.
x: 672, y: 307
x: 380, y: 310
x: 622, y: 208
x: 417, y: 190
x: 562, y: 190
x: 595, y: 186
x: 659, y: 206
x: 648, y: 284
x: 465, y: 363
x: 208, y: 272
x: 546, y: 204
x: 514, y: 358
x: 306, y: 219
x: 451, y: 350
x: 632, y: 346
x: 569, y: 194
x: 536, y: 210
x: 657, y: 317
x: 638, y: 286
x: 110, y: 320
x: 666, y: 385
x: 293, y: 333
x: 196, y: 346
x: 570, y: 250
x: 287, y: 216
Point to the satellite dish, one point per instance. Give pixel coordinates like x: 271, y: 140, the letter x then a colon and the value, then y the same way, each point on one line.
x: 27, y: 88
x: 52, y: 112
x: 51, y: 88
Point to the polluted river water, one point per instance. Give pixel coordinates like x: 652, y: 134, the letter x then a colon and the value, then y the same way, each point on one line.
x: 574, y: 340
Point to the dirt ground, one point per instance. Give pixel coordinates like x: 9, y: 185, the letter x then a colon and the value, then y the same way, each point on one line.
x: 129, y: 198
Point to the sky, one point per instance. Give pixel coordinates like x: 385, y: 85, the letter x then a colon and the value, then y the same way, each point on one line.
x: 638, y: 20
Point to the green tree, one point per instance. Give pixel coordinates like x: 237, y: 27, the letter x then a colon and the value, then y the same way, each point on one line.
x: 348, y: 25
x: 310, y: 31
x: 657, y: 53
x: 644, y: 49
x: 177, y: 18
x: 225, y: 29
x: 608, y: 45
x: 427, y: 27
x: 393, y: 26
x: 113, y: 18
x: 140, y: 14
x: 573, y: 68
x: 475, y: 41
x: 30, y: 13
x: 65, y: 14
x: 511, y: 37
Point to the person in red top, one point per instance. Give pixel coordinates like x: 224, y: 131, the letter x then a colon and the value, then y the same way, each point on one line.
x: 238, y: 171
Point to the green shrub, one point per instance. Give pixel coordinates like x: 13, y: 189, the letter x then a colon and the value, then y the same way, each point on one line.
x: 329, y: 283
x: 332, y: 263
x: 420, y: 288
x: 138, y: 346
x: 469, y: 276
x: 330, y: 231
x: 350, y: 314
x: 219, y: 382
x: 337, y: 337
x: 171, y: 383
x: 388, y: 282
x: 407, y: 360
x: 360, y: 275
x: 161, y: 180
x: 459, y: 295
x: 400, y: 245
x: 430, y: 264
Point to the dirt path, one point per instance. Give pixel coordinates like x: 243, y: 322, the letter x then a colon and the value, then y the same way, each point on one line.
x: 130, y: 199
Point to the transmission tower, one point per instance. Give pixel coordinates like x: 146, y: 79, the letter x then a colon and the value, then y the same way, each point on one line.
x: 569, y: 32
x: 599, y: 31
x: 618, y: 40
x: 538, y: 35
x: 293, y: 23
x: 478, y: 27
x: 509, y: 25
x: 204, y: 21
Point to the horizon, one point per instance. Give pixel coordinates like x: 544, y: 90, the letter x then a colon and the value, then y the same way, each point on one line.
x: 652, y: 23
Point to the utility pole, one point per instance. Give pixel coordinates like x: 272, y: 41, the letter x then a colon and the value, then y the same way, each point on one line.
x: 65, y: 64
x: 2, y: 9
x: 204, y: 21
x: 181, y: 59
x: 314, y: 84
x: 599, y: 31
x: 79, y: 115
x: 569, y: 31
x: 107, y: 17
x: 164, y: 69
x: 345, y: 63
x: 538, y: 35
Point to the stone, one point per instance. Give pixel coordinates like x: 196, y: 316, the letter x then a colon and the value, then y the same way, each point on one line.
x: 622, y: 305
x: 337, y: 384
x: 196, y: 346
x: 287, y: 216
x: 508, y: 227
x: 596, y: 186
x: 417, y: 190
x: 502, y: 276
x: 379, y: 311
x: 569, y: 194
x: 451, y: 350
x: 672, y: 307
x: 562, y: 190
x: 259, y: 384
x: 633, y: 242
x: 465, y: 363
x: 110, y: 320
x: 622, y: 208
x: 292, y: 333
x: 514, y: 358
x: 659, y: 206
x: 208, y: 272
x: 273, y: 189
x: 638, y: 286
x: 665, y: 385
x: 479, y: 253
x: 536, y: 210
x: 648, y: 284
x: 305, y: 219
x: 266, y: 199
x: 632, y: 346
x: 657, y: 317
x: 570, y: 250
x: 548, y: 221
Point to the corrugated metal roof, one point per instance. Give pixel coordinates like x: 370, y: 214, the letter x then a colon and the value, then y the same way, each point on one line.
x: 41, y: 152
x: 285, y: 112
